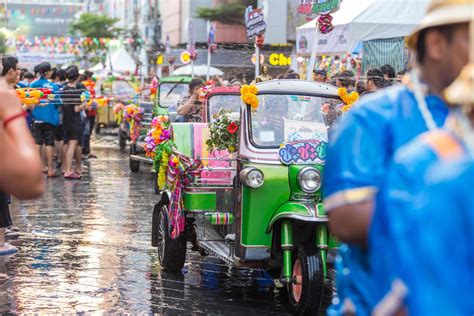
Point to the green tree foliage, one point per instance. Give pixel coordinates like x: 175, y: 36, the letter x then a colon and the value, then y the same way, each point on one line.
x: 228, y: 13
x: 95, y: 26
x: 3, y: 44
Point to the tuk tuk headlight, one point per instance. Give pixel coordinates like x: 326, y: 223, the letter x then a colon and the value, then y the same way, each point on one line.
x: 251, y: 177
x: 309, y: 180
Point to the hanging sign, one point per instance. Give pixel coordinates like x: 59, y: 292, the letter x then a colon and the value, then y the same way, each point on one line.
x: 255, y: 22
x: 311, y: 7
x: 185, y: 57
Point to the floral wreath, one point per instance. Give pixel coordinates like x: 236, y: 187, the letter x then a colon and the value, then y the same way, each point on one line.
x: 348, y: 98
x: 249, y: 95
x: 223, y: 132
x: 133, y: 115
x: 159, y: 147
x: 118, y: 112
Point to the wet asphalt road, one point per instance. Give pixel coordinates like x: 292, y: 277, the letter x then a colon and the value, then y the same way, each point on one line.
x: 85, y: 248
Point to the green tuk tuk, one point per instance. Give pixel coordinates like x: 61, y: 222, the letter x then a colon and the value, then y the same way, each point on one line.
x: 262, y: 205
x: 170, y: 91
x: 116, y: 91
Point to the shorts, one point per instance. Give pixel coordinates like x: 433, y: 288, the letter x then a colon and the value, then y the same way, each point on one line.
x: 60, y: 133
x: 5, y: 218
x: 74, y: 134
x: 44, y: 134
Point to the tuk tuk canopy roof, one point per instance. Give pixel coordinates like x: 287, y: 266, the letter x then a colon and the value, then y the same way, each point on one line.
x: 176, y: 79
x: 296, y: 86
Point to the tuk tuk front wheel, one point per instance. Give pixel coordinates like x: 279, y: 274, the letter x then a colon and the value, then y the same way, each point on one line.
x: 305, y: 292
x: 171, y: 252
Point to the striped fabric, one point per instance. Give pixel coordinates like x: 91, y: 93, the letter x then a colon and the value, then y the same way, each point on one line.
x: 377, y: 53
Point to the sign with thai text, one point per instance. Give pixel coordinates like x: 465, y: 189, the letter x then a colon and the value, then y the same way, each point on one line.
x: 304, y: 152
x: 255, y: 22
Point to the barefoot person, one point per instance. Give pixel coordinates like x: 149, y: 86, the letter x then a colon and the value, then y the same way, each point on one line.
x: 46, y: 117
x: 72, y: 122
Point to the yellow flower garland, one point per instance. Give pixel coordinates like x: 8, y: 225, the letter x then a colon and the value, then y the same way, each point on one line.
x: 162, y: 172
x: 348, y: 98
x: 249, y: 95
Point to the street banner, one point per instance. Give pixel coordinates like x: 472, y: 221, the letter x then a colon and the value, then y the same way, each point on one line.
x: 336, y: 42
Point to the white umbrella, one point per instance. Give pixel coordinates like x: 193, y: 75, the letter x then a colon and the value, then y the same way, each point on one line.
x: 199, y: 70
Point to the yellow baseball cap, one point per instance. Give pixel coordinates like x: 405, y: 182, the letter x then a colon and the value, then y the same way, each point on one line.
x: 444, y: 12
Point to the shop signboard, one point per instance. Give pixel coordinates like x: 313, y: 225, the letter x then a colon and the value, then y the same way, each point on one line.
x: 42, y: 19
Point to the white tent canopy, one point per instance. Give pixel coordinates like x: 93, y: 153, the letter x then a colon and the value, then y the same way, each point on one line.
x: 362, y: 20
x: 388, y: 19
x: 121, y: 62
x: 199, y: 70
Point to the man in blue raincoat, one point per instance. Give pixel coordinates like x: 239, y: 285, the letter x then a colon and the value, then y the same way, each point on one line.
x: 365, y: 140
x: 422, y: 257
x: 392, y: 229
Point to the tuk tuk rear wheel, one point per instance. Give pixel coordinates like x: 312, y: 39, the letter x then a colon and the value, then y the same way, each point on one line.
x: 305, y: 292
x: 171, y: 252
x: 134, y: 165
x: 122, y: 142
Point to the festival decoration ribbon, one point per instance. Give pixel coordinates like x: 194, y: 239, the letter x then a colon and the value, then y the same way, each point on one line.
x: 175, y: 171
x: 182, y: 171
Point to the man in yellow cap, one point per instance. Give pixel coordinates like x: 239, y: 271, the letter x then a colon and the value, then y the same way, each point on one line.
x: 366, y: 139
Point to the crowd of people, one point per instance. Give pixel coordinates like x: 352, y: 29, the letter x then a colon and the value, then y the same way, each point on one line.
x: 51, y: 138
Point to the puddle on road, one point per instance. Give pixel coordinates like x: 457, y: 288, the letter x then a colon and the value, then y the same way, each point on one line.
x: 85, y: 248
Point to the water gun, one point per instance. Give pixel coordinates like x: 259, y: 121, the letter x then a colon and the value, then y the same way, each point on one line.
x: 88, y: 97
x: 89, y: 84
x: 30, y: 97
x: 101, y: 101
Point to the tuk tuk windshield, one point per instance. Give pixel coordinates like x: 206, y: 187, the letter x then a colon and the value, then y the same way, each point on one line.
x: 286, y: 118
x: 170, y: 100
x: 122, y: 89
x: 228, y: 102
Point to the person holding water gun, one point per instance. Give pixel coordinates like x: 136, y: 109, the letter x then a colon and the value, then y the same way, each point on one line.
x: 73, y: 122
x: 46, y: 117
x: 91, y: 113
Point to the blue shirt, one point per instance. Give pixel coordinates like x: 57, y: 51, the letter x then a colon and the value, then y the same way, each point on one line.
x: 441, y: 275
x: 48, y: 113
x: 359, y: 151
x: 391, y: 229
